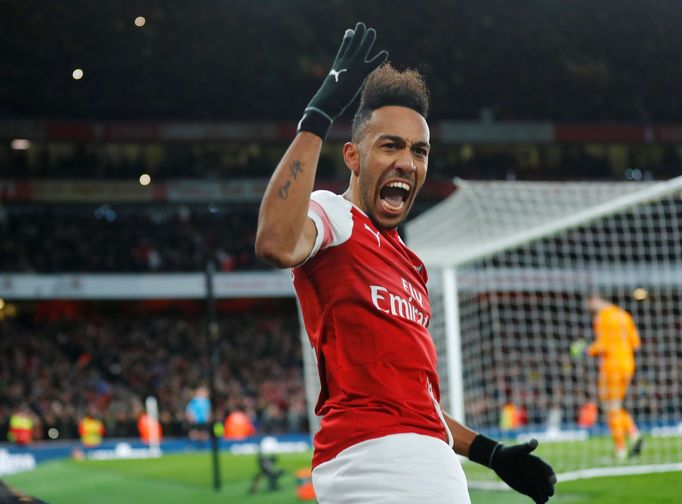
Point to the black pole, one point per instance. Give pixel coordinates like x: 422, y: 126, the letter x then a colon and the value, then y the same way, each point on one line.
x: 212, y: 339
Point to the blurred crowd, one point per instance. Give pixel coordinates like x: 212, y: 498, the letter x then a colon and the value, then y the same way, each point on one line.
x: 107, y: 160
x: 242, y: 163
x: 126, y: 238
x: 106, y: 364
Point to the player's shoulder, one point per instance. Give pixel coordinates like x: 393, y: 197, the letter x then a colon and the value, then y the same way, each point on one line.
x: 334, y: 207
x: 616, y: 311
x: 332, y: 215
x: 330, y: 200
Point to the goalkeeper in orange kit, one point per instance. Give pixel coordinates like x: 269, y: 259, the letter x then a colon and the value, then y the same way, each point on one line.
x: 616, y: 341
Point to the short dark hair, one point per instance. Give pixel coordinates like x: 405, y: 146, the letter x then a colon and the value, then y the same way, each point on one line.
x: 388, y: 86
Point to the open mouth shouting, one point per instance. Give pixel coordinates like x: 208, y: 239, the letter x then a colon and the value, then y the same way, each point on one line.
x: 394, y: 195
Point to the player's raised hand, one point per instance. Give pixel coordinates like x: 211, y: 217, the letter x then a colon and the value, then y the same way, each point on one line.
x: 353, y: 63
x: 516, y: 466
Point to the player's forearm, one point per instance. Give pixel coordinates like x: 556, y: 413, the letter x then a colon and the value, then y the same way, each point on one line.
x: 515, y: 465
x: 462, y: 435
x: 284, y: 207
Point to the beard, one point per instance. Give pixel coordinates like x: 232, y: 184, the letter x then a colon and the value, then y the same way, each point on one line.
x: 368, y: 197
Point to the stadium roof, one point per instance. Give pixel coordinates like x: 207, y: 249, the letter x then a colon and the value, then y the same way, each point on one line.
x: 240, y: 60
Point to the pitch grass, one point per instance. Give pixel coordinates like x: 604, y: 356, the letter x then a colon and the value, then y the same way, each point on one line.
x: 595, y: 452
x: 186, y: 478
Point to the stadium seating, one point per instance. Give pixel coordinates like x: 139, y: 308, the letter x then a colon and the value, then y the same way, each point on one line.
x: 62, y: 358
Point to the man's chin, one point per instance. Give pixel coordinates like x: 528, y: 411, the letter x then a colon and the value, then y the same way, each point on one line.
x: 385, y: 219
x: 387, y: 222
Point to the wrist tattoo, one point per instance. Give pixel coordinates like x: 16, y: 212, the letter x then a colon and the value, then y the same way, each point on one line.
x: 295, y: 168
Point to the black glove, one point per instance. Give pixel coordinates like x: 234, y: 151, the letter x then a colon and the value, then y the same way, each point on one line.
x: 344, y: 81
x: 525, y: 473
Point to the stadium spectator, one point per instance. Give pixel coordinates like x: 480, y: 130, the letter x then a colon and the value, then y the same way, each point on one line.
x: 150, y: 429
x: 91, y: 429
x: 238, y: 425
x: 587, y: 415
x: 512, y: 417
x: 21, y: 425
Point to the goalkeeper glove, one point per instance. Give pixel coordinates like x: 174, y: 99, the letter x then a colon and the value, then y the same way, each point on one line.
x: 578, y: 349
x: 344, y: 81
x: 525, y: 473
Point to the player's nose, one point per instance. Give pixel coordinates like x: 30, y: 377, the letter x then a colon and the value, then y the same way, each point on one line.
x: 405, y: 162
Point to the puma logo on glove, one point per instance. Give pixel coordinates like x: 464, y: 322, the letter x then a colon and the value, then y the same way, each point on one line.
x: 336, y: 74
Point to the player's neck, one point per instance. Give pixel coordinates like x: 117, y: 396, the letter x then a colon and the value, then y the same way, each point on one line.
x: 352, y: 196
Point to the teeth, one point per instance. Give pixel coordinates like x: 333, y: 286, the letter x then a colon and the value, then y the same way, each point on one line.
x: 400, y: 185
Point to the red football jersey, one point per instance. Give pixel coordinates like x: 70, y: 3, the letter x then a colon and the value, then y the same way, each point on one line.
x: 366, y: 311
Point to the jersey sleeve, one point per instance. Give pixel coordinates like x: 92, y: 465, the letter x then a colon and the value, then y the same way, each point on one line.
x: 333, y: 220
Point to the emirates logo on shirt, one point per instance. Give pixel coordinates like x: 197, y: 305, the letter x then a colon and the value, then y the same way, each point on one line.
x: 398, y: 305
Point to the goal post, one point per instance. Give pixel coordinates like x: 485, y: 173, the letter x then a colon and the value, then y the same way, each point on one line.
x: 311, y: 379
x: 513, y: 263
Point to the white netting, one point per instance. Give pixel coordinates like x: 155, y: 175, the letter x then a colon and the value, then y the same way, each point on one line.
x: 542, y: 248
x: 484, y: 217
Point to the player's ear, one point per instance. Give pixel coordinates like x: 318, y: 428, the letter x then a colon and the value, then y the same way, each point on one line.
x: 351, y: 156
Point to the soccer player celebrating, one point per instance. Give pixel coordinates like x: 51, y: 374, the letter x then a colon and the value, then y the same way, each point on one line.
x: 616, y: 340
x: 383, y: 435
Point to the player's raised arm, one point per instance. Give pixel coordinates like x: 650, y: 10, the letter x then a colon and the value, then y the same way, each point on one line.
x: 285, y: 235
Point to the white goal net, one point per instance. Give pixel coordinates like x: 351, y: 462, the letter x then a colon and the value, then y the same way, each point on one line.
x: 511, y: 265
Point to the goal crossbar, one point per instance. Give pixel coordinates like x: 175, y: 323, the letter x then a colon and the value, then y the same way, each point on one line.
x: 475, y: 247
